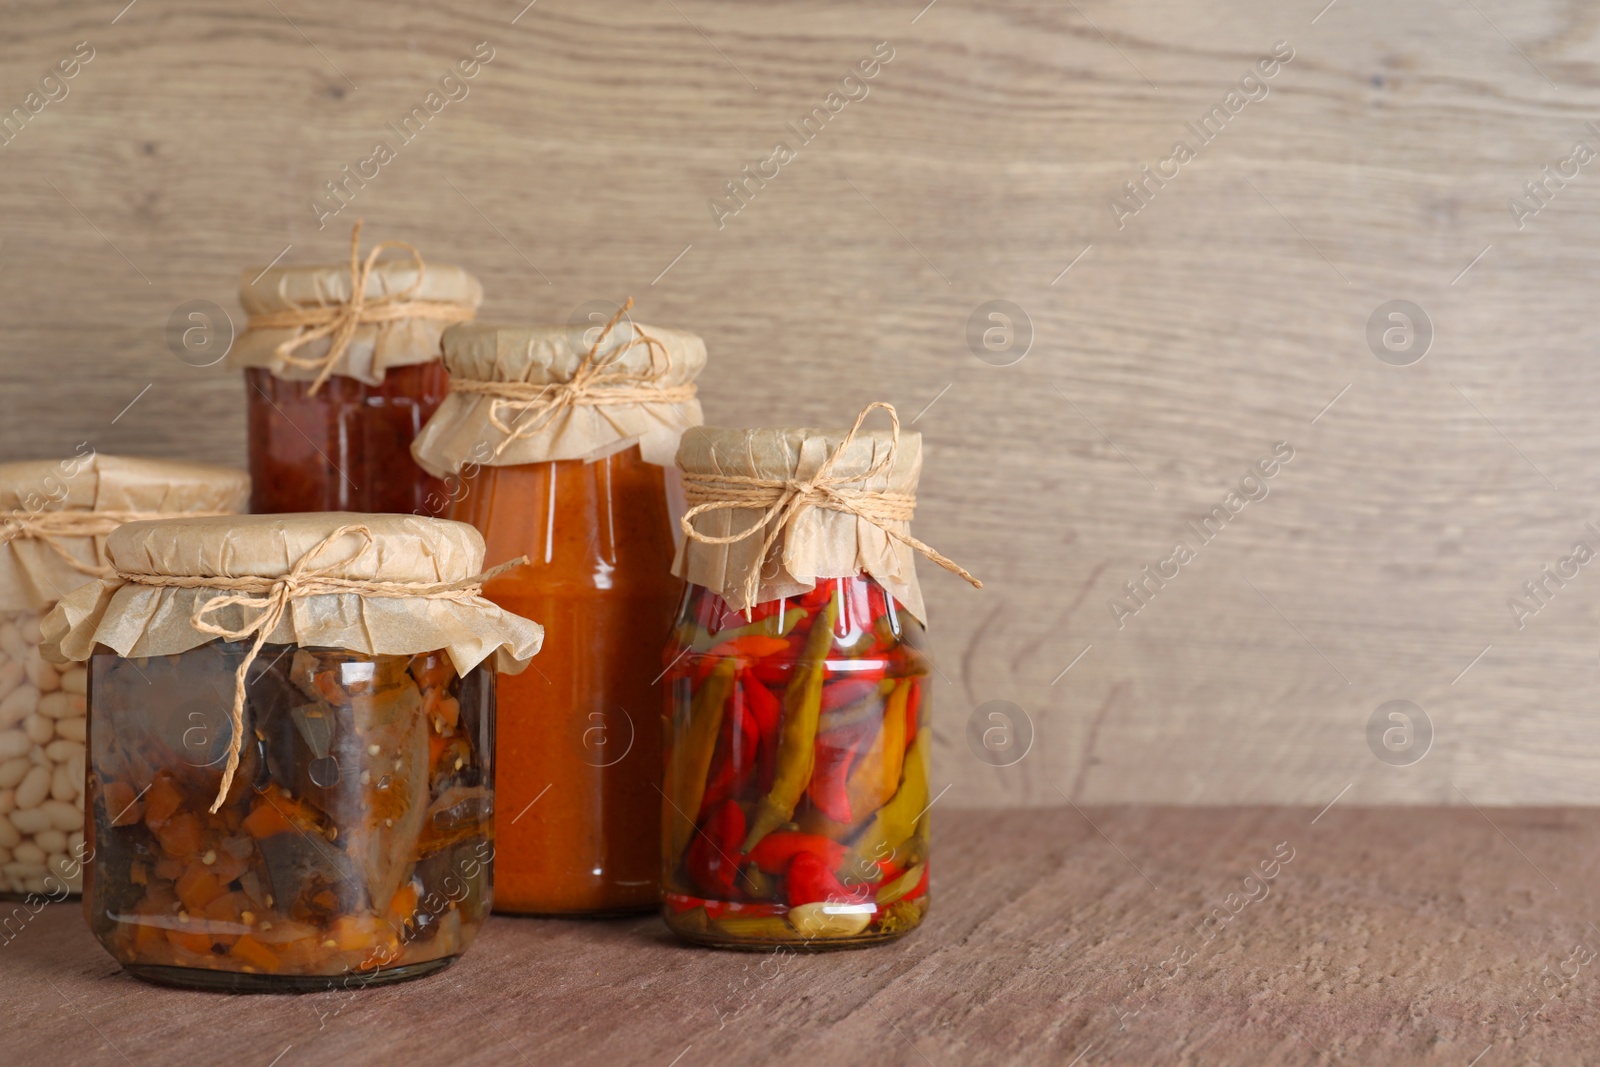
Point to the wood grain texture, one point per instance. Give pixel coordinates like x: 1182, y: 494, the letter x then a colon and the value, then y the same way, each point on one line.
x: 1400, y: 936
x: 1228, y: 314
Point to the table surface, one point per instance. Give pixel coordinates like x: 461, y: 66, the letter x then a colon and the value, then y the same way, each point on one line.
x: 1119, y: 935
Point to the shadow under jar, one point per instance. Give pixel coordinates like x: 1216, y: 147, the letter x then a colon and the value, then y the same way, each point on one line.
x: 797, y: 770
x: 354, y: 846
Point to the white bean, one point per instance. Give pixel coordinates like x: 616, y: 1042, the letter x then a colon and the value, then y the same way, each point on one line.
x: 37, y: 756
x: 32, y: 789
x: 8, y: 801
x: 18, y: 705
x: 43, y: 674
x: 30, y: 821
x: 63, y: 750
x: 62, y: 787
x: 5, y: 856
x: 28, y: 627
x: 53, y: 841
x: 73, y: 729
x: 39, y: 729
x: 75, y: 840
x: 13, y: 770
x: 12, y: 675
x: 14, y: 743
x: 75, y: 680
x: 63, y: 816
x: 10, y: 836
x: 75, y: 767
x: 57, y: 705
x: 28, y: 852
x: 24, y: 870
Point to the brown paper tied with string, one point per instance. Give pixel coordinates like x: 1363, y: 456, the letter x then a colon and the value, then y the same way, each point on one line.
x: 356, y: 319
x: 55, y: 515
x: 373, y: 584
x: 774, y: 510
x: 535, y: 394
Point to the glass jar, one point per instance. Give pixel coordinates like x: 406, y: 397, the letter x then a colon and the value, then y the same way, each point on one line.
x: 579, y: 749
x: 342, y: 369
x: 353, y: 847
x: 796, y: 770
x: 54, y: 519
x: 345, y: 448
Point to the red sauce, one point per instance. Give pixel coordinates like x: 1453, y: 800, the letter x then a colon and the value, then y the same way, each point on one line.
x: 578, y: 734
x: 348, y: 448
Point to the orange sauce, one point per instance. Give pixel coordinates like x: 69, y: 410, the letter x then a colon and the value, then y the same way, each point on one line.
x: 578, y: 734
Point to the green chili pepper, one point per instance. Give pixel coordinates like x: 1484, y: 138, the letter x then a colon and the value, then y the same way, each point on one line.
x: 701, y: 641
x: 895, y: 822
x: 802, y: 703
x: 691, y: 756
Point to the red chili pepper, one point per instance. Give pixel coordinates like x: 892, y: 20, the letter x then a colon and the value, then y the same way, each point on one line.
x: 735, y: 761
x: 818, y: 595
x: 809, y: 879
x: 829, y: 788
x: 752, y: 646
x: 913, y: 705
x: 775, y: 850
x: 713, y: 856
x: 766, y: 711
x: 858, y: 685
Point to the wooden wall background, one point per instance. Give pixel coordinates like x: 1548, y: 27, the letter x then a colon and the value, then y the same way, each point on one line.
x: 1226, y: 316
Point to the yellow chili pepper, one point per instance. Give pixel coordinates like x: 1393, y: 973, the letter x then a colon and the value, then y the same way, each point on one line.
x: 896, y: 821
x: 802, y: 704
x: 691, y: 755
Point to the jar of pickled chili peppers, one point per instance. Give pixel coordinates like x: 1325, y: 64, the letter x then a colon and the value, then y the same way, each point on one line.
x: 798, y: 736
x: 342, y: 369
x: 556, y: 443
x: 274, y: 803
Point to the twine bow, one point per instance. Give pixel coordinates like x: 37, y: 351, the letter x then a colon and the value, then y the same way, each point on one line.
x: 339, y: 322
x: 269, y: 598
x: 52, y: 528
x: 782, y: 499
x: 596, y: 381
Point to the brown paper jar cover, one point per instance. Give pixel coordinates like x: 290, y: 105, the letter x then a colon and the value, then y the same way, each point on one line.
x: 143, y: 620
x: 375, y: 347
x: 816, y: 542
x: 33, y: 575
x: 462, y: 431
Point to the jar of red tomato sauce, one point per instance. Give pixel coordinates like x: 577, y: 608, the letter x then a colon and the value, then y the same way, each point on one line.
x: 797, y: 763
x: 554, y: 442
x: 342, y: 369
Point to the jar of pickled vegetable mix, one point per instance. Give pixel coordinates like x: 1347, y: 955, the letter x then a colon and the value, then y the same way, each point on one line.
x: 797, y: 763
x: 54, y: 518
x: 291, y: 726
x: 554, y: 443
x: 342, y: 369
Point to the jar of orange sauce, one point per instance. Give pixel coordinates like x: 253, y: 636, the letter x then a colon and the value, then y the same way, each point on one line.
x: 556, y: 443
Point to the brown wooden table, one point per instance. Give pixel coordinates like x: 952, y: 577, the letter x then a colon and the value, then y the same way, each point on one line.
x: 1389, y: 936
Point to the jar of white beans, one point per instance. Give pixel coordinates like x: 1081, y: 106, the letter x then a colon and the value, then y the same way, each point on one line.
x: 41, y: 763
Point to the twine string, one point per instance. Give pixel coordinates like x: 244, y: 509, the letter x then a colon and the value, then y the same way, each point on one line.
x: 264, y: 601
x: 53, y: 528
x: 780, y: 500
x: 339, y: 321
x: 596, y: 381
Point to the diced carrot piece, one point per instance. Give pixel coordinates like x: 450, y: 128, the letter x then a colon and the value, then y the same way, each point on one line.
x: 432, y: 672
x: 403, y: 907
x: 122, y: 802
x: 448, y: 712
x: 228, y: 908
x: 189, y: 940
x: 198, y: 887
x: 138, y: 875
x: 170, y: 869
x: 180, y: 836
x: 265, y: 820
x: 161, y: 801
x: 350, y: 933
x: 249, y: 951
